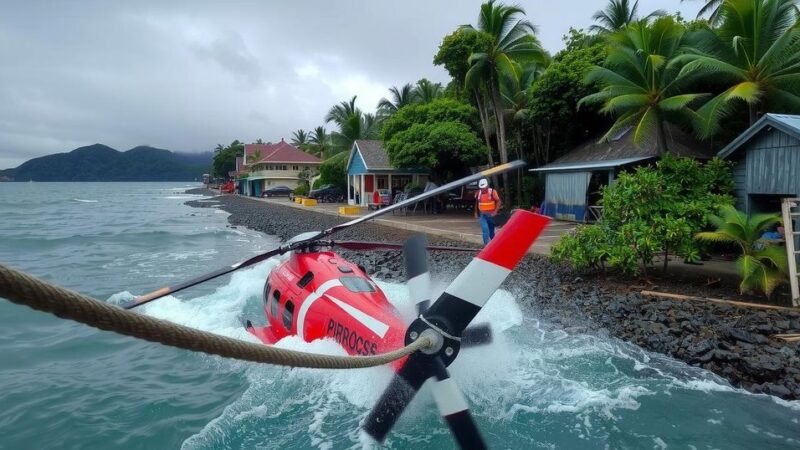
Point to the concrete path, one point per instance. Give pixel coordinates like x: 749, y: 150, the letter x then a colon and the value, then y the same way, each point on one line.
x: 456, y: 225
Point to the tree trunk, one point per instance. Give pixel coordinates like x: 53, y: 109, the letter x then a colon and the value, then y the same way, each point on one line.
x: 484, y: 125
x: 519, y: 171
x: 501, y: 136
x: 751, y: 107
x: 662, y: 139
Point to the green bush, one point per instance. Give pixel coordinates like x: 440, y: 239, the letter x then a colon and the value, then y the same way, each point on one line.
x: 334, y: 170
x: 651, y: 211
x: 762, y: 266
x: 301, y: 189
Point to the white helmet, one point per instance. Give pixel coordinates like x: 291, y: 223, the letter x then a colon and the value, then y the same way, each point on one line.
x: 484, y: 183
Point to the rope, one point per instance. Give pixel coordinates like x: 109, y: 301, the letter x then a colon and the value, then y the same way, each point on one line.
x: 30, y: 291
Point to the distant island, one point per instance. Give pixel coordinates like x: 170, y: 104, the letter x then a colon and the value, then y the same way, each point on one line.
x: 100, y: 162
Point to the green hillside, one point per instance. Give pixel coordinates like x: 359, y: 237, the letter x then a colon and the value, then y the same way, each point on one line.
x: 99, y: 162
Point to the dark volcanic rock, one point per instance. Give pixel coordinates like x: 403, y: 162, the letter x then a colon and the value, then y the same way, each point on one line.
x: 732, y: 341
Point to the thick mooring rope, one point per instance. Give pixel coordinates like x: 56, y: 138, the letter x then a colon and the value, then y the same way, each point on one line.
x: 27, y: 290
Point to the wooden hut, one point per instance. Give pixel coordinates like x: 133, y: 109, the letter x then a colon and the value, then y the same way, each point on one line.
x: 766, y: 160
x: 573, y: 181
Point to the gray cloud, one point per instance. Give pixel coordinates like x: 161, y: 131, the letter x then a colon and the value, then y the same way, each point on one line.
x: 189, y: 75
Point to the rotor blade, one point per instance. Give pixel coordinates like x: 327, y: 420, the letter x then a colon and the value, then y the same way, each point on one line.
x: 455, y: 411
x: 364, y: 245
x: 425, y: 195
x: 471, y: 289
x: 418, y: 278
x: 398, y: 395
x: 141, y: 300
x: 478, y: 334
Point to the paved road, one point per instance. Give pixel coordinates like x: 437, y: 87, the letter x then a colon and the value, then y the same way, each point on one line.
x: 457, y: 225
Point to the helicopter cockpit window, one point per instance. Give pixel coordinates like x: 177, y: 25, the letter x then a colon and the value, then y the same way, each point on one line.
x: 306, y: 279
x: 288, y: 313
x: 357, y: 284
x: 274, y: 306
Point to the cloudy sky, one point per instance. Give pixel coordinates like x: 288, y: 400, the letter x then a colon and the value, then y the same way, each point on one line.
x: 188, y: 75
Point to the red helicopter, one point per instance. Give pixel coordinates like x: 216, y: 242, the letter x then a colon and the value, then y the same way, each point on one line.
x: 318, y: 294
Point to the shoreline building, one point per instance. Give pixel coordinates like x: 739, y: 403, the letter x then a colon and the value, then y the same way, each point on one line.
x: 267, y: 165
x: 368, y: 169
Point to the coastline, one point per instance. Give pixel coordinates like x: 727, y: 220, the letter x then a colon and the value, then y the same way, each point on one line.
x: 731, y: 341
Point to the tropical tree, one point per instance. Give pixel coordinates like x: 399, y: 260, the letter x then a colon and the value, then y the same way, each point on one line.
x: 755, y: 52
x: 640, y: 81
x: 352, y: 123
x: 300, y: 138
x: 319, y: 141
x: 713, y: 8
x: 426, y: 91
x: 763, y: 267
x: 512, y: 43
x: 618, y: 14
x: 399, y: 98
x: 453, y: 54
x: 555, y: 123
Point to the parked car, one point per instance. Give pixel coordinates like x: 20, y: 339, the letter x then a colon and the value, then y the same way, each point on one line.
x: 277, y: 191
x: 327, y: 193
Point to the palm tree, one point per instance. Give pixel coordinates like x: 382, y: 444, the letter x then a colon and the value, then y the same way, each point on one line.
x: 353, y: 124
x: 425, y: 91
x: 300, y: 138
x: 618, y: 14
x: 640, y: 81
x: 712, y: 6
x: 762, y: 267
x: 756, y: 52
x: 399, y: 98
x: 513, y: 43
x: 339, y: 113
x: 318, y: 139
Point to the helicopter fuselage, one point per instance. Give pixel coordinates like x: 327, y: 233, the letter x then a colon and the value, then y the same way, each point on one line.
x: 317, y: 295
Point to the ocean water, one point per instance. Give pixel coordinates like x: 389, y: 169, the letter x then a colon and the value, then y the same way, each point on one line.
x: 64, y: 385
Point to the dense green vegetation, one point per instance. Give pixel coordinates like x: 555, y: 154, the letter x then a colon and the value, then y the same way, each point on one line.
x: 439, y: 135
x: 225, y: 158
x: 102, y: 163
x: 651, y: 211
x: 762, y: 266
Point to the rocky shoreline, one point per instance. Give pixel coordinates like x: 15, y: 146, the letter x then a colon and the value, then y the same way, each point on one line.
x: 733, y: 342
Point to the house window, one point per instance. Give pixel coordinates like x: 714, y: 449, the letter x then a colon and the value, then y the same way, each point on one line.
x: 295, y: 167
x: 383, y: 181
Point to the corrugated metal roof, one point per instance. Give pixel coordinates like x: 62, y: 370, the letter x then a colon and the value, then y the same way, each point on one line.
x: 621, y: 146
x: 592, y: 165
x: 787, y: 123
x: 788, y: 119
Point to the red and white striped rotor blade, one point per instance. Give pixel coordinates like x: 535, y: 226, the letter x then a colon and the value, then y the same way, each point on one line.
x: 473, y: 287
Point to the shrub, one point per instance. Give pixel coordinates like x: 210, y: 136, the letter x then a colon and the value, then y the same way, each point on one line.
x: 651, y: 211
x: 761, y: 266
x: 301, y: 190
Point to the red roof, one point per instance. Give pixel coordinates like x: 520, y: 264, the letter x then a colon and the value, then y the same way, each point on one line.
x: 282, y: 152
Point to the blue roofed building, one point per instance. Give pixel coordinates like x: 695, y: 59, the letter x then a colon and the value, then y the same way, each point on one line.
x: 369, y: 169
x: 766, y: 163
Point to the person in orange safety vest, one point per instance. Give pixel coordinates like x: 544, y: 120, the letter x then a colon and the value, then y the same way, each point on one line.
x: 487, y: 205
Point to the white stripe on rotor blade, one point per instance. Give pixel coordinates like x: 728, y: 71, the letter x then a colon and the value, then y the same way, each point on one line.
x: 478, y: 281
x: 368, y: 321
x: 419, y: 287
x: 448, y: 397
x: 314, y: 296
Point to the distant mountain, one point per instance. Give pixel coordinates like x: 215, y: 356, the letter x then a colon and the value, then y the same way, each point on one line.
x: 100, y: 162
